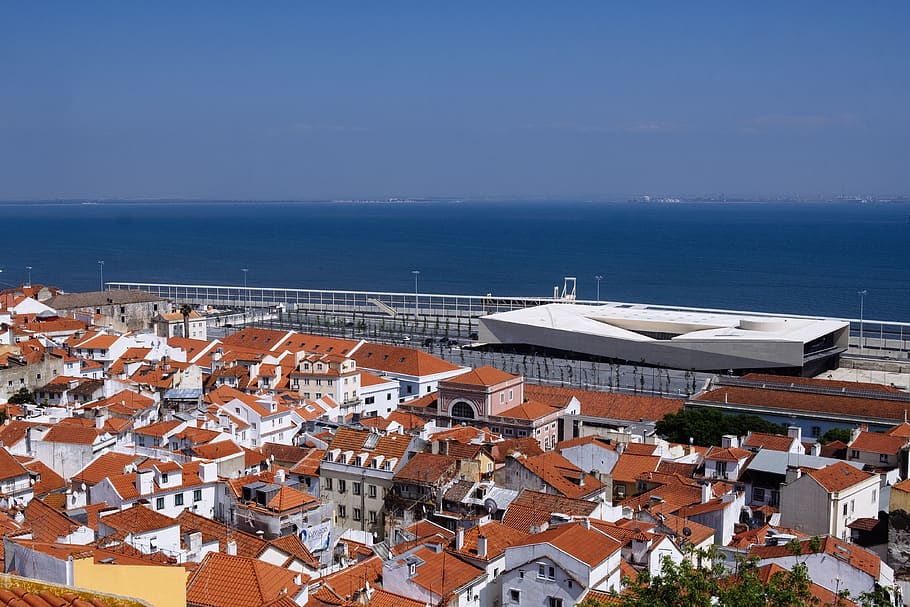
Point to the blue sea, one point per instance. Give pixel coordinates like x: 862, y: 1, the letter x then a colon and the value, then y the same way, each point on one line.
x: 797, y: 258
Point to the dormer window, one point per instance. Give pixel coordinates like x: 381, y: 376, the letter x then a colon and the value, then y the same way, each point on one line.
x: 164, y: 478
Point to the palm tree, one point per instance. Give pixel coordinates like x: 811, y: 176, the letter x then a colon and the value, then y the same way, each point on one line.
x: 186, y: 310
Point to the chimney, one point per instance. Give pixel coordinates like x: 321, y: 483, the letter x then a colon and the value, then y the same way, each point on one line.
x: 854, y: 433
x: 195, y: 541
x: 795, y: 432
x: 793, y: 473
x: 729, y: 441
x: 707, y: 492
x: 581, y: 481
x: 100, y: 418
x: 208, y: 472
x: 482, y: 546
x: 145, y: 481
x: 279, y: 476
x: 231, y: 548
x: 534, y: 529
x: 620, y: 447
x: 816, y: 449
x: 459, y: 538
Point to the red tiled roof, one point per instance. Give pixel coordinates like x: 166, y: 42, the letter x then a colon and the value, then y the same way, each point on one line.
x: 442, y: 573
x: 107, y: 464
x: 837, y: 476
x: 482, y: 376
x: 588, y: 545
x: 727, y: 454
x: 877, y: 442
x: 10, y: 468
x: 428, y: 468
x: 71, y: 434
x: 400, y: 360
x: 858, y: 557
x: 561, y: 474
x: 772, y: 442
x: 222, y: 580
x: 137, y: 519
x: 629, y: 466
x: 610, y: 405
x: 499, y: 537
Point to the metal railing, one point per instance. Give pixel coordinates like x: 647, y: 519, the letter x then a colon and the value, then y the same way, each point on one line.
x: 879, y: 337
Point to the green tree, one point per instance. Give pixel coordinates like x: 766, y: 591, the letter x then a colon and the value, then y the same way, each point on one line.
x: 685, y: 585
x: 22, y: 396
x: 833, y: 434
x: 707, y: 426
x: 185, y: 311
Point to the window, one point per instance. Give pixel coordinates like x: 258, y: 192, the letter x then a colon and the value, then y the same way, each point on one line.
x: 178, y: 499
x: 541, y: 570
x: 371, y: 490
x: 514, y: 596
x: 356, y: 514
x: 369, y: 400
x: 372, y: 517
x: 159, y: 503
x: 164, y: 478
x: 197, y: 495
x: 502, y: 397
x: 845, y: 508
x: 355, y: 487
x: 342, y: 485
x: 328, y: 484
x: 874, y: 495
x: 510, y: 394
x: 816, y: 431
x: 758, y: 494
x: 721, y: 469
x: 342, y: 512
x: 883, y: 458
x: 854, y: 454
x: 463, y: 410
x: 410, y: 389
x: 388, y: 396
x: 552, y: 601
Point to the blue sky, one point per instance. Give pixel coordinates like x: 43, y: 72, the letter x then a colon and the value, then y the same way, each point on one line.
x: 293, y: 100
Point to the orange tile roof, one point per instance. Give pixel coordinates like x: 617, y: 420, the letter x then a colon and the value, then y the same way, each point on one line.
x: 864, y: 560
x: 354, y: 578
x: 159, y: 429
x: 639, y: 449
x: 499, y: 537
x: 107, y: 464
x: 562, y: 475
x: 610, y: 405
x: 588, y: 545
x: 49, y: 480
x: 384, y: 598
x: 902, y: 430
x: 787, y: 380
x: 248, y: 545
x: 806, y: 401
x: 772, y: 442
x: 48, y: 524
x: 10, y: 467
x: 137, y: 519
x: 442, y: 573
x: 71, y: 434
x: 292, y: 545
x: 428, y: 468
x: 629, y: 466
x: 288, y: 499
x: 485, y: 376
x: 837, y: 476
x: 400, y: 360
x: 727, y: 454
x: 371, y: 379
x: 530, y: 410
x: 309, y: 465
x: 18, y: 593
x: 877, y: 442
x: 222, y: 580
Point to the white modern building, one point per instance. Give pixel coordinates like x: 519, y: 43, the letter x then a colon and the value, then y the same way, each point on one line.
x: 701, y: 340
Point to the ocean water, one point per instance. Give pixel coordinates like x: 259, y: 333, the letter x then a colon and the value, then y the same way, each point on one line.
x: 809, y: 258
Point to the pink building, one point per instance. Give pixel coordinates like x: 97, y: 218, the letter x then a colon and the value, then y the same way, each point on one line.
x: 494, y: 398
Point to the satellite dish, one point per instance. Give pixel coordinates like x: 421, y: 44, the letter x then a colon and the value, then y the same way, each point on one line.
x: 686, y: 531
x: 490, y: 506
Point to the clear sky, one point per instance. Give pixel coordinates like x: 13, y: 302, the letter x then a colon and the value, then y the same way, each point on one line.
x: 378, y: 99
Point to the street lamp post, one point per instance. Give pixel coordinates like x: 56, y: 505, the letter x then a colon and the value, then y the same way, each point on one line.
x: 101, y: 266
x: 245, y: 291
x: 862, y: 298
x: 28, y: 283
x: 598, y: 278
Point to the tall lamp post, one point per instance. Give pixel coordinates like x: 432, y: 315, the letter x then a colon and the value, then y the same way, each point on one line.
x: 101, y: 266
x: 28, y: 284
x: 416, y: 274
x: 862, y: 298
x: 598, y: 278
x: 245, y: 291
